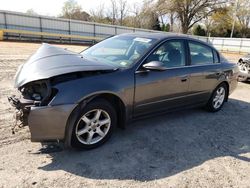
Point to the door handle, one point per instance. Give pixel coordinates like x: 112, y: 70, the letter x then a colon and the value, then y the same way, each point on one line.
x: 184, y: 78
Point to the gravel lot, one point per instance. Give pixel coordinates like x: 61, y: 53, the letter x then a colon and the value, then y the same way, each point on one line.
x: 193, y: 148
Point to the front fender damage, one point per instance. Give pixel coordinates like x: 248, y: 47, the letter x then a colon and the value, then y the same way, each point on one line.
x: 35, y: 107
x: 32, y: 94
x: 22, y: 108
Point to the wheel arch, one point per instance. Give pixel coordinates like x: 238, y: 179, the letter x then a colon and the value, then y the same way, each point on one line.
x: 115, y: 101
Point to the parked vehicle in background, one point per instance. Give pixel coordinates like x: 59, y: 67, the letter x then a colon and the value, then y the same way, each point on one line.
x: 78, y: 98
x: 244, y: 68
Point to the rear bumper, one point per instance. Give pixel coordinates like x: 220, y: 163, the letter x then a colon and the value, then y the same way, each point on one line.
x: 48, y: 123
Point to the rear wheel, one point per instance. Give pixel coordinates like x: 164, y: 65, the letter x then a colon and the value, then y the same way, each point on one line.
x: 94, y: 125
x: 218, y: 98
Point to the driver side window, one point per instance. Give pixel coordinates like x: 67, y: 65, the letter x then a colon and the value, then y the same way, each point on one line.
x: 171, y: 53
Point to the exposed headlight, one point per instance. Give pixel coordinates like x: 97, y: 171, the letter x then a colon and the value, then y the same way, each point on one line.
x: 36, y: 96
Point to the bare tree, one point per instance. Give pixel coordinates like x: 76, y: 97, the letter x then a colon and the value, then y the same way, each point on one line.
x: 243, y: 15
x: 208, y: 22
x: 31, y: 12
x: 72, y: 10
x: 165, y: 8
x: 113, y: 11
x: 122, y: 9
x: 149, y: 18
x: 97, y: 14
x: 190, y: 12
x: 135, y: 15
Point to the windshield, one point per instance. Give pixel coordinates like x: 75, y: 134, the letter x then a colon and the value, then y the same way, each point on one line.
x: 120, y: 51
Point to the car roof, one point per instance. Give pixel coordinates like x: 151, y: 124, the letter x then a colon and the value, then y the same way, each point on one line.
x: 159, y: 35
x: 167, y: 35
x: 152, y: 35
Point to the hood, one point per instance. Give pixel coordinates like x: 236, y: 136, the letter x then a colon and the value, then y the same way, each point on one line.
x: 49, y: 61
x: 246, y: 58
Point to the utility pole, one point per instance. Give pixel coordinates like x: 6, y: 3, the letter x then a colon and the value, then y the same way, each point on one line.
x: 234, y: 18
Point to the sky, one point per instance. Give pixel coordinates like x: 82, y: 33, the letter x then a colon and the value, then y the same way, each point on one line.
x: 52, y: 7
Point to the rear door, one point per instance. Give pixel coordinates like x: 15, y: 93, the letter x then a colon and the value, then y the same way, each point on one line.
x: 159, y: 90
x: 205, y: 71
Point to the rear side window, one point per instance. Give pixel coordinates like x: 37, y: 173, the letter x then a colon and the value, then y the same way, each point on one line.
x: 216, y: 57
x: 200, y: 54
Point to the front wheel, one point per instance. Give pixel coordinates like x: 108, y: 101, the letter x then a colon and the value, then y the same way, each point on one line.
x: 94, y: 125
x: 218, y: 98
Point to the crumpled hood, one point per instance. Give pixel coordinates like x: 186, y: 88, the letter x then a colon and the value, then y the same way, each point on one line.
x: 49, y: 61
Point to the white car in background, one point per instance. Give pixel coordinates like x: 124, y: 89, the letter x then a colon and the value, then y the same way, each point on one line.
x: 244, y: 67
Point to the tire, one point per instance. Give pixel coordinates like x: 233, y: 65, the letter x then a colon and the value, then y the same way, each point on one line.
x: 217, y: 98
x: 94, y: 125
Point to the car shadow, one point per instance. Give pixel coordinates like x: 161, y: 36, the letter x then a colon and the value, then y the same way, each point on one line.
x: 162, y: 146
x: 246, y: 82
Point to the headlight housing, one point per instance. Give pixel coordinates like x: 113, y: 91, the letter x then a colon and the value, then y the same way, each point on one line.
x: 40, y: 91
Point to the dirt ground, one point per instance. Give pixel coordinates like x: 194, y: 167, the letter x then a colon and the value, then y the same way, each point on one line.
x: 191, y: 148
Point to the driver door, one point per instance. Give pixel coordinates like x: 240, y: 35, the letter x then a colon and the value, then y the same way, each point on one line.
x: 161, y: 90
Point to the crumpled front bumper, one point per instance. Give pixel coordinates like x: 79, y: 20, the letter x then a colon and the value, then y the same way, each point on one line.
x: 46, y: 123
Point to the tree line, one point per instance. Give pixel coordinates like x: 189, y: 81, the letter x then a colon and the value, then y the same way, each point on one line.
x: 220, y: 18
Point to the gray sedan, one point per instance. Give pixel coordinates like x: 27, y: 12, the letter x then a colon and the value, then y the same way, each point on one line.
x: 79, y: 98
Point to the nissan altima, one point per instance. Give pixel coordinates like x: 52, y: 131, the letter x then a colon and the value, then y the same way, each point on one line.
x: 79, y: 98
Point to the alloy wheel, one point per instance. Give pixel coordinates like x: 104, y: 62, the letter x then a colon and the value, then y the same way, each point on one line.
x: 93, y: 126
x: 219, y: 97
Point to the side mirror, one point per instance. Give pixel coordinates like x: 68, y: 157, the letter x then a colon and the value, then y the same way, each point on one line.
x: 154, y: 65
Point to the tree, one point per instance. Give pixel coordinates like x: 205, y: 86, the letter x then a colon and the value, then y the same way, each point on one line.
x: 98, y: 15
x: 222, y: 21
x: 148, y: 17
x: 71, y: 10
x: 122, y: 9
x: 165, y: 8
x: 208, y: 22
x: 31, y: 12
x: 199, y: 30
x: 165, y: 27
x: 189, y: 12
x: 134, y: 19
x: 156, y: 25
x: 243, y: 16
x: 113, y: 11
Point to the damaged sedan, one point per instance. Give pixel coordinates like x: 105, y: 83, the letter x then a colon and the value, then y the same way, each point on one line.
x: 78, y: 98
x: 244, y: 67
